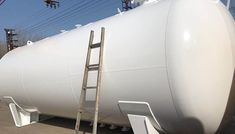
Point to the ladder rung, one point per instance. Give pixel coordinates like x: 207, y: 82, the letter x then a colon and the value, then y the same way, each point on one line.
x: 95, y: 45
x: 93, y: 67
x: 80, y: 110
x: 94, y: 87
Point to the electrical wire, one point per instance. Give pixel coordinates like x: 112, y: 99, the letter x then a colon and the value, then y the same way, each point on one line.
x: 61, y: 13
x: 2, y: 2
x: 103, y: 7
x: 77, y: 10
x: 64, y: 18
x: 38, y: 14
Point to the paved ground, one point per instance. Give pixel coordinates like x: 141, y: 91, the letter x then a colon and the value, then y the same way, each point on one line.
x: 52, y: 126
x: 58, y: 125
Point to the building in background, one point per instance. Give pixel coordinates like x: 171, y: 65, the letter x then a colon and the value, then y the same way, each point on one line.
x: 232, y: 8
x: 3, y: 50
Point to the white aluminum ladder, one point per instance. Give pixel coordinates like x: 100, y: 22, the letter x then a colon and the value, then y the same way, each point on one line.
x: 91, y: 67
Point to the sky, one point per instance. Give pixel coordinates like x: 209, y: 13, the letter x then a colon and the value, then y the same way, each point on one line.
x: 32, y: 16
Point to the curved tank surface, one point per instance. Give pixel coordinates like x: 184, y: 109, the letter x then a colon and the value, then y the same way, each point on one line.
x: 177, y: 55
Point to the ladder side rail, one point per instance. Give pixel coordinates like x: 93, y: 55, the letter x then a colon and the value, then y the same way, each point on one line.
x: 98, y: 84
x: 84, y: 83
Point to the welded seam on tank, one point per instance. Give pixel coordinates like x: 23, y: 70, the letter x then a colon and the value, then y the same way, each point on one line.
x: 72, y: 88
x: 73, y: 92
x: 221, y: 15
x: 134, y: 69
x: 231, y: 48
x: 24, y: 89
x: 127, y: 69
x: 167, y: 72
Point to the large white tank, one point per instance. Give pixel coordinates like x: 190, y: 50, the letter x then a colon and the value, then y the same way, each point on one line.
x: 177, y: 55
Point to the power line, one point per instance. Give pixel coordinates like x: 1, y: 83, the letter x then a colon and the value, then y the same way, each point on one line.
x: 1, y: 2
x: 38, y: 14
x: 64, y: 18
x: 82, y: 14
x: 65, y: 11
x: 74, y: 14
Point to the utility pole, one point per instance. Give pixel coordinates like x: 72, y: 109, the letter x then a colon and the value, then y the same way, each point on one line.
x: 126, y: 5
x: 10, y: 39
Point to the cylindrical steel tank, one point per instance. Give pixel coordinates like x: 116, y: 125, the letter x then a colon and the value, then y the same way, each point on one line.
x: 177, y: 55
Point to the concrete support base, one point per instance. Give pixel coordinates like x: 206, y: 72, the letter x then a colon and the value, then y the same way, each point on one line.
x: 22, y: 117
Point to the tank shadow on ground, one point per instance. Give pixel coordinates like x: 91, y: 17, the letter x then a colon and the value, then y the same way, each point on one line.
x: 190, y: 126
x: 85, y: 126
